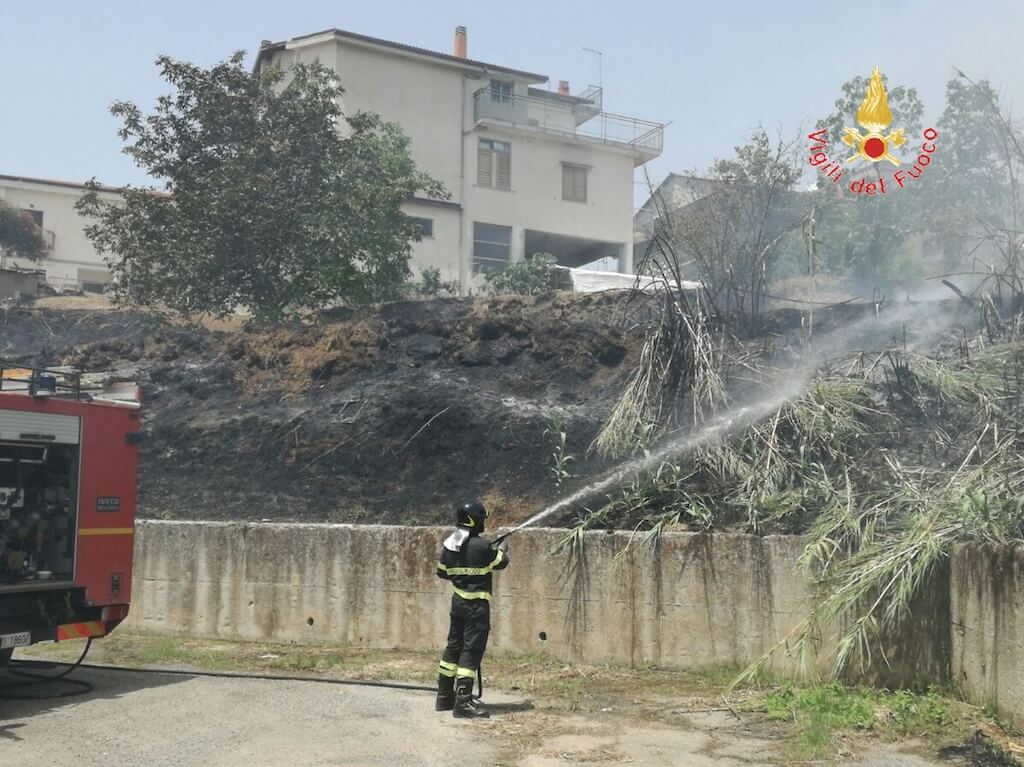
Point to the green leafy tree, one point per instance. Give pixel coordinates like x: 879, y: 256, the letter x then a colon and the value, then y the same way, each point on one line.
x: 972, y: 194
x: 271, y: 199
x: 904, y: 104
x: 19, y: 235
x: 997, y: 202
x: 861, y: 236
x: 734, y: 235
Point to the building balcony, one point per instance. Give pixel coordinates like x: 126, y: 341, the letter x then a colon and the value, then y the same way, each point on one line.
x: 573, y: 117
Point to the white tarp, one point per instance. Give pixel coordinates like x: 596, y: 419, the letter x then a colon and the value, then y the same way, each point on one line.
x: 586, y: 281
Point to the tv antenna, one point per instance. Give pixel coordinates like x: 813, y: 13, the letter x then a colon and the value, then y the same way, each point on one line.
x: 600, y: 73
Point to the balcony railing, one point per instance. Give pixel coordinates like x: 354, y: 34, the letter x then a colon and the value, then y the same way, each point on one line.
x: 580, y: 120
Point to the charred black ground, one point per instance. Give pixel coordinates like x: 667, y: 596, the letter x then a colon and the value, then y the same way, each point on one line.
x: 387, y: 416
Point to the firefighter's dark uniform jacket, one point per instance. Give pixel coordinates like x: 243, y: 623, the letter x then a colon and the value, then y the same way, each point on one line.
x: 469, y: 565
x: 469, y: 569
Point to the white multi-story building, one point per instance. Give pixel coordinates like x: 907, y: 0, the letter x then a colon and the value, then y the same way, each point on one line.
x: 529, y: 170
x: 71, y: 260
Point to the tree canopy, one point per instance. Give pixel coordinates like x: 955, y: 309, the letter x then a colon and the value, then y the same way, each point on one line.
x: 19, y: 235
x: 734, y: 235
x: 972, y: 196
x: 269, y: 198
x: 864, y: 237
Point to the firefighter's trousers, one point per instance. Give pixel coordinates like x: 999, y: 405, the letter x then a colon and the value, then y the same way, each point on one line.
x: 467, y: 637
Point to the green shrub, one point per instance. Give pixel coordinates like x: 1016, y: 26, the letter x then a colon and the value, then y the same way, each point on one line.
x: 527, y: 278
x: 430, y: 284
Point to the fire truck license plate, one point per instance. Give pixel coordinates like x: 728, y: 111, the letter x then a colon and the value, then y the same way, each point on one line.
x: 21, y: 639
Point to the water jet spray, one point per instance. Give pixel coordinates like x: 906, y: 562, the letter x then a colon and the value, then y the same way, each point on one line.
x: 835, y: 342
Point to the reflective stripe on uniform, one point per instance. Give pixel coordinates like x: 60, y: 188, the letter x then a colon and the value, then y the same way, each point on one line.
x: 465, y: 673
x: 447, y: 669
x: 473, y: 594
x: 472, y: 570
x: 464, y: 570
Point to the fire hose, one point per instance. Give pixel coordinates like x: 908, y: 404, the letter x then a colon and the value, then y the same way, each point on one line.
x: 72, y: 687
x: 497, y: 541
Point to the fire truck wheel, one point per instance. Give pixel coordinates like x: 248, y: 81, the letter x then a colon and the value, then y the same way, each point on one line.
x: 5, y: 657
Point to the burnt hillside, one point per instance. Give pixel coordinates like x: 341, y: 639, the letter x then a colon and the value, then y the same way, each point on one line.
x: 392, y: 414
x: 384, y: 416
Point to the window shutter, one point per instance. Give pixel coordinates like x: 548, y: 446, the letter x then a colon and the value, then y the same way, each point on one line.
x: 483, y: 166
x: 574, y: 183
x: 503, y: 172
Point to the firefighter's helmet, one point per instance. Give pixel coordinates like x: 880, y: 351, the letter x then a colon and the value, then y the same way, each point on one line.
x: 471, y: 516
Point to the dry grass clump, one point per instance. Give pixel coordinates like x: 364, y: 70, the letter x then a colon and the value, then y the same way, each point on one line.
x: 295, y: 358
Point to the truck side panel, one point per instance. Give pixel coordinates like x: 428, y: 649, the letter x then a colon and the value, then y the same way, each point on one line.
x: 106, y: 506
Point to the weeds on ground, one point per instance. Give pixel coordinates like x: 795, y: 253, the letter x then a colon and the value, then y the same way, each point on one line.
x: 557, y: 434
x: 145, y: 650
x: 821, y: 713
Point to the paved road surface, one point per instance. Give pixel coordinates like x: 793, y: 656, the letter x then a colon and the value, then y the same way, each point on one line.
x: 150, y: 720
x: 156, y: 720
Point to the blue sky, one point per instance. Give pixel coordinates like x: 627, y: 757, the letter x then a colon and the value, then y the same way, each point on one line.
x: 713, y: 70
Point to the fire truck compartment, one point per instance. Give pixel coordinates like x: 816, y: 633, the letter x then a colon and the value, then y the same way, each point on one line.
x: 39, y: 465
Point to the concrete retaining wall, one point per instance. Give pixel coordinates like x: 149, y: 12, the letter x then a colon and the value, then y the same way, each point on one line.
x: 987, y: 614
x: 699, y: 601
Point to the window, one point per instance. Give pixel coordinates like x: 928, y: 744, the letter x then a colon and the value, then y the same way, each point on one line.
x: 35, y: 215
x: 93, y: 280
x: 425, y: 225
x: 490, y: 247
x: 574, y: 183
x: 494, y: 164
x: 501, y: 91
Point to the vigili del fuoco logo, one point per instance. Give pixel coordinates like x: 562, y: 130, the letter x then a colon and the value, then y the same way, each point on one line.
x: 876, y: 144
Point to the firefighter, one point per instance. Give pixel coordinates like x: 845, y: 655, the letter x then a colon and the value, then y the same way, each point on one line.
x: 468, y: 561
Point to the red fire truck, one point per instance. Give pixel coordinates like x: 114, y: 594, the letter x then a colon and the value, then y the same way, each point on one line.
x: 69, y: 446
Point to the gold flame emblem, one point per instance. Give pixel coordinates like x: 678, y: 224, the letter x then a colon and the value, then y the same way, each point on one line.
x: 874, y: 116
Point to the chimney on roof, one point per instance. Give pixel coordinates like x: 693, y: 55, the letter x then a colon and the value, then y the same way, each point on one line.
x: 265, y: 43
x: 563, y: 87
x: 460, y: 42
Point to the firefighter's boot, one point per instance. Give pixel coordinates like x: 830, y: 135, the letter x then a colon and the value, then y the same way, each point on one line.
x: 466, y: 706
x: 445, y: 693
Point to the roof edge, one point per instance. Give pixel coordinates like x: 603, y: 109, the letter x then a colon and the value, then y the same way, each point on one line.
x: 57, y: 182
x: 555, y: 96
x: 403, y: 47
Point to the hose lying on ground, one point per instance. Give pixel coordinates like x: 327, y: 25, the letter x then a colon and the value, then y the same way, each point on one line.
x: 80, y: 687
x: 73, y: 687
